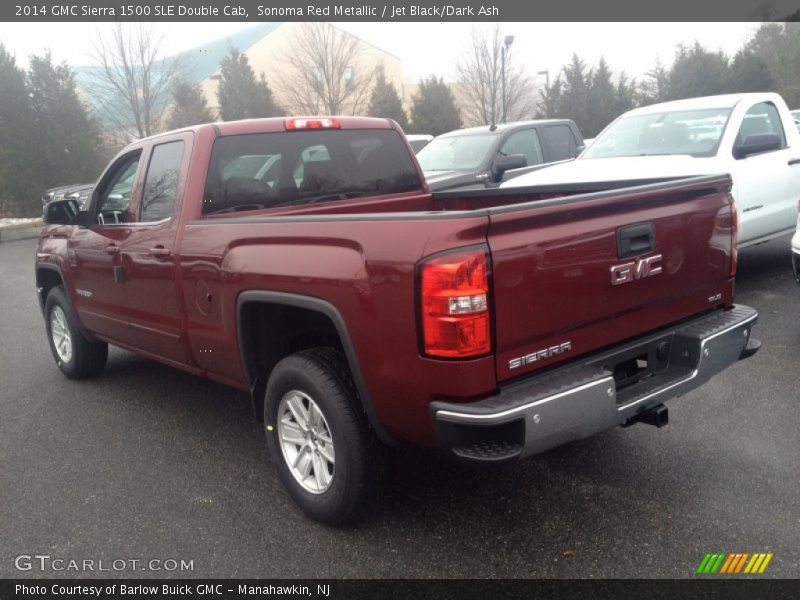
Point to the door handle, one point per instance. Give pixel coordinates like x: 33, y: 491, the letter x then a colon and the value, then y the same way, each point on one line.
x: 633, y: 240
x: 159, y: 252
x: 112, y: 249
x: 793, y: 161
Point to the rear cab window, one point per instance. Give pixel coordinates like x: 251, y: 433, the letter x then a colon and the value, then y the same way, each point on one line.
x: 269, y: 170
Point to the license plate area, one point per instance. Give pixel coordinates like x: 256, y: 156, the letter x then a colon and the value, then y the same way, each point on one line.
x: 638, y: 363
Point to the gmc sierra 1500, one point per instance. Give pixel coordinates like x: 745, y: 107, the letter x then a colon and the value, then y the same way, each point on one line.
x: 305, y: 261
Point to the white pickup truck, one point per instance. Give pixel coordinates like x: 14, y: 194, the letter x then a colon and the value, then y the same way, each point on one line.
x: 750, y: 136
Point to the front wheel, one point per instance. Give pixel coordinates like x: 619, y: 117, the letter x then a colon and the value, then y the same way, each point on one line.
x: 320, y: 443
x: 76, y: 356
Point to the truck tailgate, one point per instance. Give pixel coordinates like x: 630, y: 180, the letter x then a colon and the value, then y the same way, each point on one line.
x: 573, y: 275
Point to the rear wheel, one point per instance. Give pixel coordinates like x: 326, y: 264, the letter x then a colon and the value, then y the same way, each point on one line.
x: 306, y: 442
x: 76, y: 356
x: 325, y: 454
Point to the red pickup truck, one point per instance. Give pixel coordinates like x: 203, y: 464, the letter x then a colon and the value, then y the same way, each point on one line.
x: 305, y: 261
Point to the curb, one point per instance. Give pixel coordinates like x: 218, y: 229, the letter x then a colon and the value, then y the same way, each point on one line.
x: 13, y: 235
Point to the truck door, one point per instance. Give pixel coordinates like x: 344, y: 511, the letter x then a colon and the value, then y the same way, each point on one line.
x: 94, y: 252
x: 767, y: 184
x: 147, y: 254
x: 525, y: 142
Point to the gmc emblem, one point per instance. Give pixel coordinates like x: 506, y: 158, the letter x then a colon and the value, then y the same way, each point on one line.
x: 643, y: 267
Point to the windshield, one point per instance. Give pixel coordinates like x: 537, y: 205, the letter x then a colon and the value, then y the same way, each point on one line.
x: 693, y: 132
x: 457, y: 153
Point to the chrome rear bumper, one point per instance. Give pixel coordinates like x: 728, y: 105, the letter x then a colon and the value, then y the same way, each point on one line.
x: 580, y: 400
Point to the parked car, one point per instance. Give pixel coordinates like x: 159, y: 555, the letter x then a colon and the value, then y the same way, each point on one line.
x: 80, y: 193
x: 750, y: 136
x: 418, y: 141
x: 360, y: 311
x: 482, y: 157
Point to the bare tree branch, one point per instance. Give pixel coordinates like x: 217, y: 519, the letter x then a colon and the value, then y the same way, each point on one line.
x: 480, y: 78
x: 326, y: 74
x: 131, y: 91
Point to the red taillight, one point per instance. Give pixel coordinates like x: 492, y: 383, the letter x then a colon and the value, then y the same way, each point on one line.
x: 455, y: 304
x: 734, y: 238
x: 295, y: 124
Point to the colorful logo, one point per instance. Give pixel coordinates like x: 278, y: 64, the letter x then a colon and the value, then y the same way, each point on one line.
x: 739, y: 562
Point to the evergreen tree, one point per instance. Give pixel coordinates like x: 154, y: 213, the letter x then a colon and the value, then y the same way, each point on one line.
x: 601, y: 106
x: 433, y: 108
x: 778, y: 46
x: 697, y: 72
x: 588, y: 97
x: 552, y: 101
x: 188, y: 106
x: 69, y: 142
x: 20, y: 184
x: 749, y: 73
x: 577, y: 81
x: 240, y: 94
x: 385, y: 101
x: 626, y: 95
x: 655, y: 86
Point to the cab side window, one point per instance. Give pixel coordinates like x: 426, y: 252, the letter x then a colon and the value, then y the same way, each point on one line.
x: 114, y: 195
x: 524, y: 142
x: 561, y: 142
x: 161, y: 182
x: 760, y: 119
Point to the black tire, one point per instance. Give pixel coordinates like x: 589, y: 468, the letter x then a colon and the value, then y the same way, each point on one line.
x: 88, y: 357
x: 322, y: 374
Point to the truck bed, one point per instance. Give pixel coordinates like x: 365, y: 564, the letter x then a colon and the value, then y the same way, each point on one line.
x: 473, y: 200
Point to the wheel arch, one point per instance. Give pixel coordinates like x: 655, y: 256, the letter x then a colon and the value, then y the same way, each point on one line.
x: 256, y: 311
x: 48, y: 276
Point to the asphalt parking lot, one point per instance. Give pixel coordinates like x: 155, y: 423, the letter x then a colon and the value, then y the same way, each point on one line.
x: 147, y: 463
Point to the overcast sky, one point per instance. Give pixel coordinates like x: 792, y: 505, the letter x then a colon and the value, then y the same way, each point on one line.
x: 426, y: 48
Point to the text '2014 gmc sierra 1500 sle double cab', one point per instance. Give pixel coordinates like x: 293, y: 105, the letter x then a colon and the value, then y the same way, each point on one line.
x: 305, y: 261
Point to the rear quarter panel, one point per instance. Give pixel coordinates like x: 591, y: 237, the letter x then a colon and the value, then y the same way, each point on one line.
x: 364, y: 267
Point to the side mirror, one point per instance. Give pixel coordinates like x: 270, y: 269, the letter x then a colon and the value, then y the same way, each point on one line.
x: 506, y: 163
x: 756, y: 144
x: 62, y: 212
x: 580, y: 149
